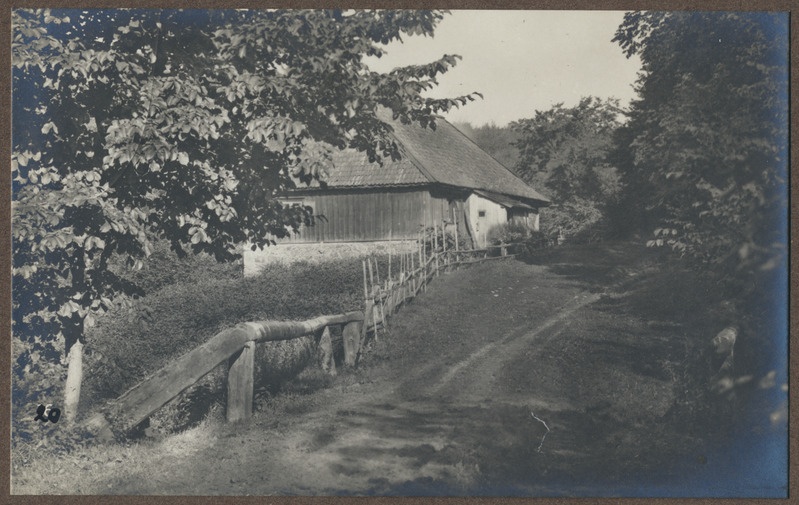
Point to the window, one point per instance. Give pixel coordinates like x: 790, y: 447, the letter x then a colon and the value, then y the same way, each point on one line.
x: 481, y: 213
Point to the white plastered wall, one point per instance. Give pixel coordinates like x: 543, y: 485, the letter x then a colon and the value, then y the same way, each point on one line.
x: 484, y: 215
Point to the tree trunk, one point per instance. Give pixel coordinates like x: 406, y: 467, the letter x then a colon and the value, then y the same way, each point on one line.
x: 74, y: 378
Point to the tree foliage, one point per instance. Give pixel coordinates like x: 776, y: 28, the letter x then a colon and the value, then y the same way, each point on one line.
x: 130, y: 125
x: 566, y: 151
x: 704, y: 155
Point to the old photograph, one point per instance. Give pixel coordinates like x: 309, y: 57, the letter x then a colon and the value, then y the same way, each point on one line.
x: 495, y: 253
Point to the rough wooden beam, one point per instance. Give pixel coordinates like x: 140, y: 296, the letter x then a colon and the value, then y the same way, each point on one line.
x: 351, y: 334
x: 241, y: 367
x: 326, y: 348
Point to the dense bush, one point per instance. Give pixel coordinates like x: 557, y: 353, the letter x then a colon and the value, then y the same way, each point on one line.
x: 576, y: 221
x: 509, y: 233
x: 164, y: 267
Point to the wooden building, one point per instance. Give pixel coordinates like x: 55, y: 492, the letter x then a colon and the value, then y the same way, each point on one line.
x: 442, y: 177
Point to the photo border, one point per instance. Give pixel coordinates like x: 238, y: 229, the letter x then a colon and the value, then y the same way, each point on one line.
x: 5, y: 239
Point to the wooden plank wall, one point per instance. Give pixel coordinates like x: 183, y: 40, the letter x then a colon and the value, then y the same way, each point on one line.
x: 377, y: 215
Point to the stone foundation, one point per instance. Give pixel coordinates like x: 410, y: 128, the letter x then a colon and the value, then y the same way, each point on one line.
x: 254, y: 261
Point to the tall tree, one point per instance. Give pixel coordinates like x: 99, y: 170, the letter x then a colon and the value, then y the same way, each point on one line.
x: 704, y: 154
x: 565, y: 150
x: 182, y: 125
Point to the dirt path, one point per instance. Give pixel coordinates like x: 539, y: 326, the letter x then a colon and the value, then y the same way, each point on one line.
x: 523, y: 384
x: 502, y: 379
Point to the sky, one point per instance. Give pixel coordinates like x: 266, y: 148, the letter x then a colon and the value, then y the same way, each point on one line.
x: 522, y: 61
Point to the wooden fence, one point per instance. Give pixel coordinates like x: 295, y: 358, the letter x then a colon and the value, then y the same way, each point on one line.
x: 236, y: 345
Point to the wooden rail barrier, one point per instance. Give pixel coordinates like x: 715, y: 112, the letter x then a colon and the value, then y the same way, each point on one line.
x: 383, y: 299
x: 237, y: 345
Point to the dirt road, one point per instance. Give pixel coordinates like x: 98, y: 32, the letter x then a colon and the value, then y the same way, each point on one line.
x: 503, y: 379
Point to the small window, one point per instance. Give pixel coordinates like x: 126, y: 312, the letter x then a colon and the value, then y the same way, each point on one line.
x: 481, y: 213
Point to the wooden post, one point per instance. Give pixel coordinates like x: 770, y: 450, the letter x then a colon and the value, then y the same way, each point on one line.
x: 435, y: 245
x: 240, y: 384
x: 402, y: 279
x: 383, y: 315
x: 351, y: 335
x: 368, y: 320
x: 424, y: 230
x: 365, y: 288
x: 444, y: 241
x: 74, y: 379
x: 371, y: 277
x: 409, y: 265
x: 326, y: 350
x: 414, y: 274
x: 381, y: 305
x: 457, y: 242
x: 420, y: 250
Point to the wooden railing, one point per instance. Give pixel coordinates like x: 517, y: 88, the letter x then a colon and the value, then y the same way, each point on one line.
x: 416, y: 269
x: 236, y: 345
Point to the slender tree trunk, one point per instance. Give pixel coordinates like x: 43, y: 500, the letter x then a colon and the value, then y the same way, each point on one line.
x: 74, y: 379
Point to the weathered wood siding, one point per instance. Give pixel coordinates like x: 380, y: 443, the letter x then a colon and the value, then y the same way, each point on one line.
x: 372, y: 215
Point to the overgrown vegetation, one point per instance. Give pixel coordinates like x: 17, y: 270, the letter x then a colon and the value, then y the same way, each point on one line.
x: 518, y: 233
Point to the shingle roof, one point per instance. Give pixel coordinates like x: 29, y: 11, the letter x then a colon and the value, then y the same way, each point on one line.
x: 443, y: 156
x: 352, y: 168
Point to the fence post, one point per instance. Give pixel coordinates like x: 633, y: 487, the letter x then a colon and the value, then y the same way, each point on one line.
x: 368, y: 318
x: 365, y: 289
x: 371, y: 277
x: 412, y: 275
x: 457, y: 245
x: 326, y: 348
x: 435, y: 244
x: 444, y: 242
x: 351, y: 334
x: 240, y: 384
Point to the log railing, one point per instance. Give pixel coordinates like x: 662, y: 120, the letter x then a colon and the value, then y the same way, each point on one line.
x: 236, y: 345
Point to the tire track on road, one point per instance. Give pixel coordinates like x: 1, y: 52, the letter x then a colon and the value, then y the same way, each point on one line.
x: 483, y: 364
